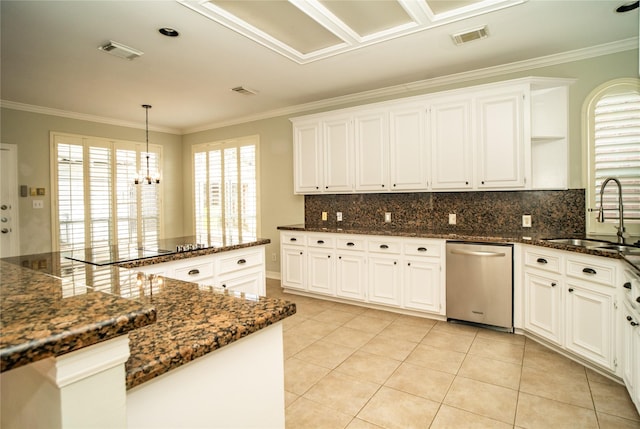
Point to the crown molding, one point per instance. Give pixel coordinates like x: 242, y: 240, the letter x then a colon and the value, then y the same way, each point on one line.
x: 367, y: 96
x: 83, y: 117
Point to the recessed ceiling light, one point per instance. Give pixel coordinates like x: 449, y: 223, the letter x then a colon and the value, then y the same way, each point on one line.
x: 627, y: 7
x: 169, y: 32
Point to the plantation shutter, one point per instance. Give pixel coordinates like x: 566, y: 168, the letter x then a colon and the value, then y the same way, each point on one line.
x: 617, y: 154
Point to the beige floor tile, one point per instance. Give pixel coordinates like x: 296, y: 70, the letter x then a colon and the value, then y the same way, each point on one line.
x: 447, y: 341
x: 488, y: 400
x: 607, y: 421
x: 361, y: 424
x: 368, y: 367
x: 292, y: 321
x: 420, y: 381
x: 312, y: 328
x: 349, y: 337
x: 599, y: 378
x: 433, y: 358
x: 354, y: 309
x: 415, y: 320
x: 613, y: 399
x: 294, y: 343
x: 299, y: 376
x: 406, y: 331
x: 306, y: 414
x: 340, y: 392
x: 490, y: 334
x: 389, y: 347
x: 491, y: 371
x: 503, y: 351
x: 547, y: 360
x: 289, y: 398
x: 368, y: 324
x: 333, y: 316
x: 550, y: 385
x: 535, y: 412
x: 454, y: 418
x: 456, y: 328
x: 380, y: 314
x: 391, y: 409
x: 325, y: 354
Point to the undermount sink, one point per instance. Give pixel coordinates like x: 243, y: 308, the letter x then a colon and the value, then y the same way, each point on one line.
x: 579, y: 242
x: 620, y: 248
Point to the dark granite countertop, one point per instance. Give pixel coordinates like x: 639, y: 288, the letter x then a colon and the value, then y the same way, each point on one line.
x: 52, y: 305
x: 482, y: 236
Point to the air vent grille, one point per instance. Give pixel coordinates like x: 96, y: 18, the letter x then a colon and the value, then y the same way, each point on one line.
x: 244, y: 90
x: 121, y: 51
x: 470, y: 35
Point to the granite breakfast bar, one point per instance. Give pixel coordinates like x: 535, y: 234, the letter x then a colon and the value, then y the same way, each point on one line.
x: 184, y: 354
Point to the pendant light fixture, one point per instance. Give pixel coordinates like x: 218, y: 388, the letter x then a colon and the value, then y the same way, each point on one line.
x: 149, y: 178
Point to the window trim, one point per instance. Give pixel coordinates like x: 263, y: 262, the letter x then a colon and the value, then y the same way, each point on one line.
x: 113, y: 144
x: 235, y: 142
x: 588, y: 154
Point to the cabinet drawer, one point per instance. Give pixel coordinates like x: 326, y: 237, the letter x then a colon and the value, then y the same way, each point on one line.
x: 384, y: 246
x: 591, y: 270
x: 195, y: 272
x: 239, y: 260
x: 422, y: 248
x: 320, y: 241
x: 293, y: 238
x: 350, y: 243
x: 542, y: 260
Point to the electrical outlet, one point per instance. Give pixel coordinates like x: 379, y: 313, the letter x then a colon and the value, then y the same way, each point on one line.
x: 387, y: 217
x: 324, y: 215
x: 274, y: 257
x: 452, y: 218
x: 38, y: 204
x: 339, y: 216
x: 526, y: 221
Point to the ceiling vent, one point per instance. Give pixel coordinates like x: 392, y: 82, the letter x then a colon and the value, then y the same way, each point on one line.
x: 244, y: 90
x: 470, y: 35
x: 121, y: 51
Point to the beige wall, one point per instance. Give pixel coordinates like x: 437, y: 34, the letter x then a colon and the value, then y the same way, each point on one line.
x: 278, y: 204
x: 30, y: 132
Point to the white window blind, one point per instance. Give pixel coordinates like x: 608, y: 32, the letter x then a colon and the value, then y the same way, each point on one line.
x: 617, y: 154
x: 96, y: 202
x: 225, y: 186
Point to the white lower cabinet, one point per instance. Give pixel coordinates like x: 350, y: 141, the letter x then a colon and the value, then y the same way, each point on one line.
x: 402, y: 273
x: 240, y: 270
x: 543, y: 309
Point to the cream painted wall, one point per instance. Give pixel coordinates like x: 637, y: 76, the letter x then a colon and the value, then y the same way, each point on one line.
x: 30, y: 131
x: 280, y: 207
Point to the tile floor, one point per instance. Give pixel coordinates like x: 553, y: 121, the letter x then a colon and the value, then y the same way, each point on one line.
x: 352, y: 367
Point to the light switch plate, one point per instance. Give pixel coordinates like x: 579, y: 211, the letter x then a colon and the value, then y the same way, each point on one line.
x: 38, y: 204
x: 452, y: 218
x: 526, y: 221
x: 387, y: 217
x: 339, y: 216
x: 324, y: 215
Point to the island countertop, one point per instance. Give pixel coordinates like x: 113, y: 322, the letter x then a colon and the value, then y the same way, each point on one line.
x: 94, y: 303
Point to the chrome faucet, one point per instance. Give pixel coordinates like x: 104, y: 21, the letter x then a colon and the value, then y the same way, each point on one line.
x: 620, y: 226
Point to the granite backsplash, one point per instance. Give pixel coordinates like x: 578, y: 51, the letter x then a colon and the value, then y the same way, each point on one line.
x: 553, y: 213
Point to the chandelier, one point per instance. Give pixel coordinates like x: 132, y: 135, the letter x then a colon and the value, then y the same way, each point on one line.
x: 148, y: 177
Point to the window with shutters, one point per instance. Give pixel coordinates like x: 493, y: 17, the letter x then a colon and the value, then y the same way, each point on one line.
x: 226, y: 189
x: 613, y: 130
x: 96, y: 203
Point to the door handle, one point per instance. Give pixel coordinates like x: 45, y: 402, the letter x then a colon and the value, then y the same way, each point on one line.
x: 194, y: 272
x: 242, y: 261
x: 5, y: 230
x: 350, y: 244
x: 627, y: 285
x: 588, y: 270
x: 384, y: 246
x: 541, y: 261
x: 422, y: 249
x: 477, y: 253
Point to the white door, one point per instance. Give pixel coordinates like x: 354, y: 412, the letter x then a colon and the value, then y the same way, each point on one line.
x: 372, y: 151
x: 293, y: 267
x: 422, y: 285
x: 338, y: 154
x: 307, y: 161
x: 351, y: 275
x: 320, y: 265
x: 9, y: 236
x: 543, y: 307
x: 408, y: 148
x: 384, y: 280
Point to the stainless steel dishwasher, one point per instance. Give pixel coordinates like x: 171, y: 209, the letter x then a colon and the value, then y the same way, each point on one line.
x: 480, y: 283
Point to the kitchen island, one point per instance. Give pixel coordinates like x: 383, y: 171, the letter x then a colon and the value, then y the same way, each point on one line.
x: 166, y: 340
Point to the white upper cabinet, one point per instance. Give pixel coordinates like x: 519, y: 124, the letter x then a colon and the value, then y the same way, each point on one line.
x: 372, y: 150
x: 500, y: 134
x: 451, y: 143
x: 408, y: 148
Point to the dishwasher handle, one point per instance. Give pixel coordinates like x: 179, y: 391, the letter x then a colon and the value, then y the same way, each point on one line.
x: 478, y: 253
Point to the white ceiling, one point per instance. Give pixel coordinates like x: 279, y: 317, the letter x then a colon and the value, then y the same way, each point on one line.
x: 50, y: 59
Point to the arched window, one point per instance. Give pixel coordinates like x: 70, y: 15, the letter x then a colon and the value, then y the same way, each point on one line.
x: 612, y: 119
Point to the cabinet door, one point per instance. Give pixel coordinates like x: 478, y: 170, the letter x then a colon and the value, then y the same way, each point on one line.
x: 372, y: 151
x: 590, y: 324
x: 250, y: 282
x: 292, y: 270
x: 543, y: 306
x: 408, y: 149
x: 351, y: 275
x: 384, y: 280
x: 451, y: 145
x: 629, y: 358
x: 500, y: 144
x: 321, y: 271
x: 422, y: 288
x: 338, y: 154
x: 307, y: 158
